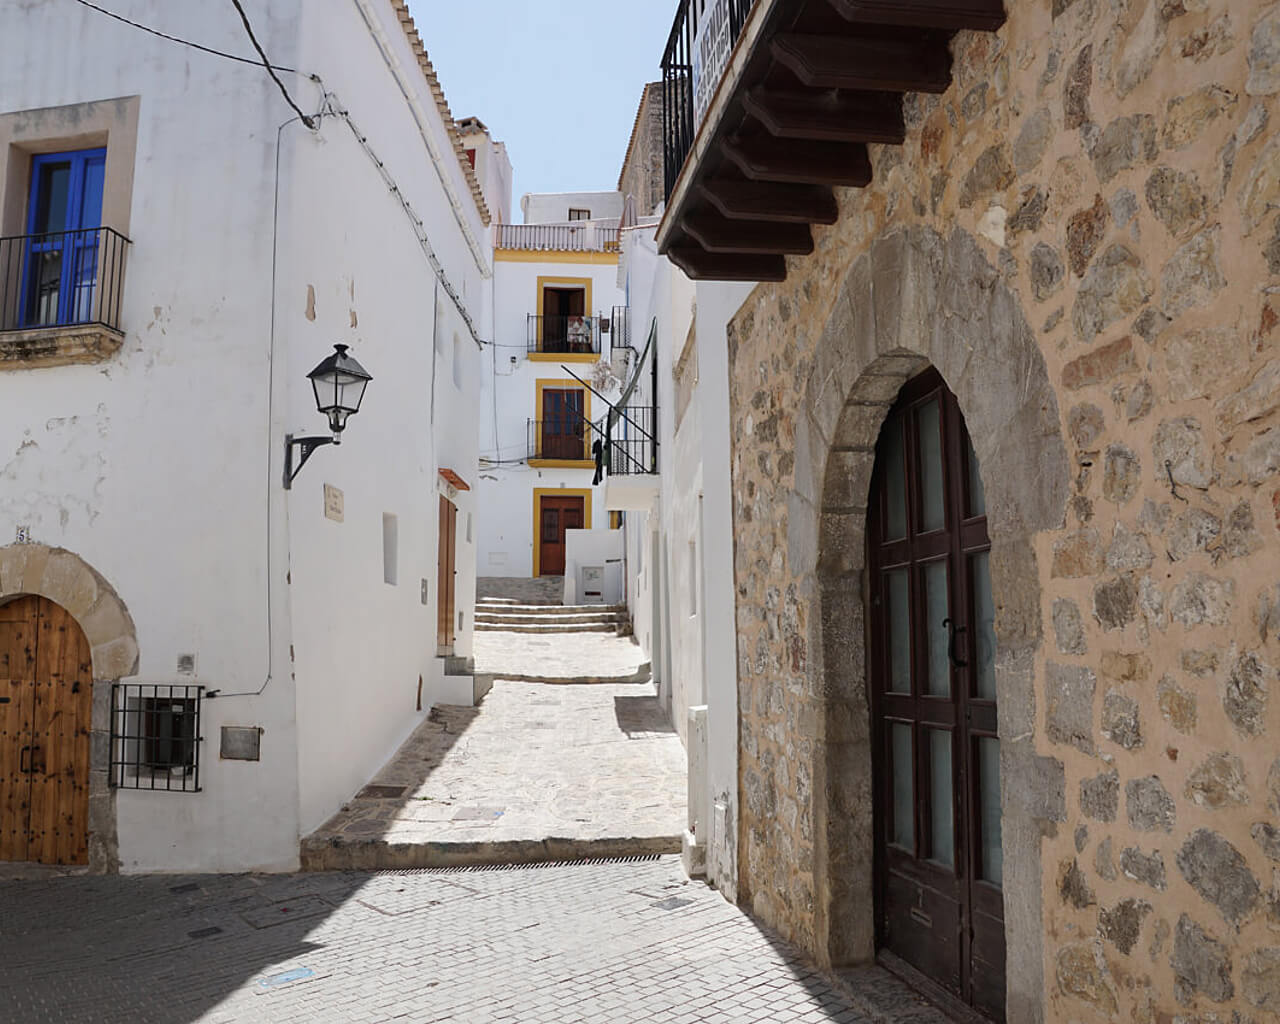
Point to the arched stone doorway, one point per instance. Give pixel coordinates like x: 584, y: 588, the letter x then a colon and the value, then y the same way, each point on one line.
x: 913, y: 301
x: 81, y: 604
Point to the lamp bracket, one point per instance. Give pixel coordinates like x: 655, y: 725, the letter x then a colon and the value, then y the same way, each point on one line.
x: 305, y: 446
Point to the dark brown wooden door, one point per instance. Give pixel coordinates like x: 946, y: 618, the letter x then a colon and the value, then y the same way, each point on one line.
x: 446, y: 593
x: 563, y: 424
x: 939, y: 904
x: 46, y: 701
x: 556, y: 515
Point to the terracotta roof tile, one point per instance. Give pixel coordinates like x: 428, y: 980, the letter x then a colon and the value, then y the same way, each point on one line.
x: 437, y: 92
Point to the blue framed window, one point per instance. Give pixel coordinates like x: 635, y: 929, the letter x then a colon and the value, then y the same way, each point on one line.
x: 64, y: 215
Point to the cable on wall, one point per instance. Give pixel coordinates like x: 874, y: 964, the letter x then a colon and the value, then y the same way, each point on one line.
x: 415, y: 222
x: 187, y: 42
x: 308, y: 121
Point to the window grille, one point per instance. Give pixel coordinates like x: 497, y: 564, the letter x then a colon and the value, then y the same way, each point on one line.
x: 155, y: 736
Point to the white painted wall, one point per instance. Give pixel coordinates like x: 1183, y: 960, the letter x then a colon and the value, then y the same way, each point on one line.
x: 682, y: 600
x: 161, y: 468
x: 602, y: 549
x: 554, y: 207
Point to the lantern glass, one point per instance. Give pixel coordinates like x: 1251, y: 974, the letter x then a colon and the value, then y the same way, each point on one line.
x: 339, y: 383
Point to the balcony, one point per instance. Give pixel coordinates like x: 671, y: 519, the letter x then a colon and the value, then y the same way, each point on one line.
x: 60, y: 297
x: 631, y: 460
x: 564, y: 335
x: 770, y: 105
x: 564, y: 441
x: 585, y: 237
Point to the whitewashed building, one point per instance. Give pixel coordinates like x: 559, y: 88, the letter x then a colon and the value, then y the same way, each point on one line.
x: 232, y: 657
x: 561, y: 351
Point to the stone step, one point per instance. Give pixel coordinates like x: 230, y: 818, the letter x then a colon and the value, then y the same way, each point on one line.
x: 550, y: 609
x: 561, y: 620
x: 551, y: 628
x: 342, y: 853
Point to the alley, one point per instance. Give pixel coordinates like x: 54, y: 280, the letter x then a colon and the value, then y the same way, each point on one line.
x: 569, y: 755
x: 623, y: 942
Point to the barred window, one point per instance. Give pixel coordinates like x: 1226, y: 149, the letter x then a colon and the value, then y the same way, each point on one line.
x: 155, y: 736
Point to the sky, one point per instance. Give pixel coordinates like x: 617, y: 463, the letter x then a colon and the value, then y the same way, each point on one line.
x: 558, y: 81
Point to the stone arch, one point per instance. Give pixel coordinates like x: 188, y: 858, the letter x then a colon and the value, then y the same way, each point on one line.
x: 915, y: 300
x: 64, y: 578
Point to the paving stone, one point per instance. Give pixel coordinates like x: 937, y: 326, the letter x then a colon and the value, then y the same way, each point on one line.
x: 551, y: 945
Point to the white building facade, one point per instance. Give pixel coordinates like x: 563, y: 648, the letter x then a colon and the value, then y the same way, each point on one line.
x: 241, y: 657
x: 558, y: 357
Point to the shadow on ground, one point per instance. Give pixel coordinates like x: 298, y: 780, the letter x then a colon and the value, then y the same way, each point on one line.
x: 641, y: 716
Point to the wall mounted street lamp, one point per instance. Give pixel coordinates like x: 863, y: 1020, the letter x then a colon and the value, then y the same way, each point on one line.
x: 339, y: 383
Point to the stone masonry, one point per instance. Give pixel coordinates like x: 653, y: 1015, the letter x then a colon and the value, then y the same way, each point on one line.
x: 1082, y: 236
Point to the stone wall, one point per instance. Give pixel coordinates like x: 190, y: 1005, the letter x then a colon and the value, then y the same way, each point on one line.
x: 1082, y: 236
x: 642, y: 167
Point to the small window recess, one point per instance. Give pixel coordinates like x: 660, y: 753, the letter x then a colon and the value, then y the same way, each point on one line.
x: 390, y: 548
x: 155, y: 737
x: 577, y: 213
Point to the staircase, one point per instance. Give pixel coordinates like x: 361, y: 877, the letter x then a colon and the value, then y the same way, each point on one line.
x: 510, y: 615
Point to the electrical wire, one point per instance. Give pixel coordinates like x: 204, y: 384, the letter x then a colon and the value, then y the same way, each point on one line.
x: 187, y: 42
x: 308, y: 121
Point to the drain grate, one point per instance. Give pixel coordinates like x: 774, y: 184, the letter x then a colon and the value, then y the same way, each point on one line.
x: 204, y: 933
x: 639, y: 858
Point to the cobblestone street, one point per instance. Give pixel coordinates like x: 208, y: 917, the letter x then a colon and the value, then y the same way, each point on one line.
x: 619, y: 942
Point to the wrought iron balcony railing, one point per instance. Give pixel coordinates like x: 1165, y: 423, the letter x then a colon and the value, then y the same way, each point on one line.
x: 62, y: 279
x: 578, y: 335
x: 631, y: 447
x: 566, y: 437
x: 698, y: 48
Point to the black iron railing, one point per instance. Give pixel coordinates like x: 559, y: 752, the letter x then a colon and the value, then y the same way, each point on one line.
x: 155, y: 736
x: 620, y: 327
x: 632, y: 447
x: 701, y: 38
x: 62, y: 279
x: 564, y: 334
x: 566, y: 437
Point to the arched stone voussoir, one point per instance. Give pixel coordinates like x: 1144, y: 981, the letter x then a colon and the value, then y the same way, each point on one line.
x: 66, y: 579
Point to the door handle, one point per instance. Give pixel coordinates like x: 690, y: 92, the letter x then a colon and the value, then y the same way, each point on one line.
x: 37, y: 752
x: 951, y: 643
x: 22, y: 761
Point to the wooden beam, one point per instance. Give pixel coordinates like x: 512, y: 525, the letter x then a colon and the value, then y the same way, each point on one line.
x: 883, y: 65
x: 701, y: 265
x: 830, y: 116
x: 762, y: 158
x: 950, y: 15
x: 771, y: 201
x: 718, y: 234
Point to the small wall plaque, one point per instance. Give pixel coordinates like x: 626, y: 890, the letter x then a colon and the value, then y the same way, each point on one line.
x: 241, y: 743
x: 332, y: 503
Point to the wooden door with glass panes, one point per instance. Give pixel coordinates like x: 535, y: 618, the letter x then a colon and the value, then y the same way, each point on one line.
x: 939, y: 905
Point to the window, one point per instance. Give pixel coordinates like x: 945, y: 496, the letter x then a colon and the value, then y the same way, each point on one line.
x: 565, y: 327
x: 693, y: 578
x: 155, y: 736
x: 579, y: 214
x: 471, y: 157
x: 390, y: 548
x: 64, y: 216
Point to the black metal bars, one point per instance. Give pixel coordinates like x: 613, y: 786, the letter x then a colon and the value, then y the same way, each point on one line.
x: 62, y: 279
x: 155, y: 736
x: 702, y: 30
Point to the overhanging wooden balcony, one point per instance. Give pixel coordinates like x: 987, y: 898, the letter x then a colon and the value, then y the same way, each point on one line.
x: 769, y: 106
